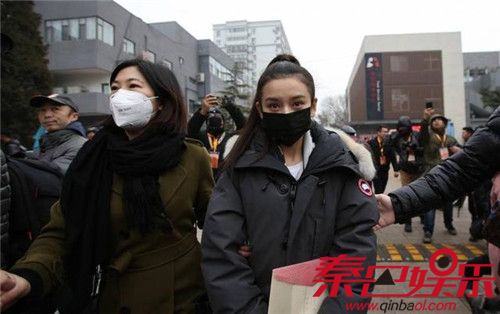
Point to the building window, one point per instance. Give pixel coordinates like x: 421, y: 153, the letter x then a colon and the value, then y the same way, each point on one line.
x: 105, y: 89
x: 236, y: 38
x: 79, y: 29
x: 400, y: 100
x: 432, y: 63
x: 82, y: 29
x: 167, y: 63
x: 237, y: 30
x: 399, y: 63
x: 91, y: 27
x: 128, y: 46
x: 65, y: 30
x: 218, y: 69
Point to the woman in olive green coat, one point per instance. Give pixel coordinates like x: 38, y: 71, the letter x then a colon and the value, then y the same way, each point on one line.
x: 122, y: 238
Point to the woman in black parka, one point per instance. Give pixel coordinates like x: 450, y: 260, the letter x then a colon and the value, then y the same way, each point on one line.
x: 290, y: 190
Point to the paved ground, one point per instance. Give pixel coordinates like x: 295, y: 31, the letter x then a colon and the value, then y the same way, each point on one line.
x: 394, y: 236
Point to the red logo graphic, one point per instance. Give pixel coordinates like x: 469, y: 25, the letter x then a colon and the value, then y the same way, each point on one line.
x: 365, y: 187
x: 342, y: 271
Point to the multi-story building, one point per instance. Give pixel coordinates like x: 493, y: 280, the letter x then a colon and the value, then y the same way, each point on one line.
x: 251, y: 45
x: 87, y: 39
x: 481, y: 72
x: 396, y: 75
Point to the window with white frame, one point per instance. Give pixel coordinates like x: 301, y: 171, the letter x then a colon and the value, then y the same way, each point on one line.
x: 128, y: 46
x: 79, y: 29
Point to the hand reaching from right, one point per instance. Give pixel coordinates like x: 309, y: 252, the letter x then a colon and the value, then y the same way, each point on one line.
x: 386, y: 212
x: 12, y: 288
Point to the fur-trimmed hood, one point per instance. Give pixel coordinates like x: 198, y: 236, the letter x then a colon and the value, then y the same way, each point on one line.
x: 363, y: 155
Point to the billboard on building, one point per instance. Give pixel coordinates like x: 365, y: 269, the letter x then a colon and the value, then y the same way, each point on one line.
x: 374, y: 86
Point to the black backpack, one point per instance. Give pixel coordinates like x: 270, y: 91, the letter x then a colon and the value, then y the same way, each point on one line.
x: 35, y: 187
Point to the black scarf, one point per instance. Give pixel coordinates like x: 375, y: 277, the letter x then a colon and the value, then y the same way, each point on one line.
x: 86, y: 194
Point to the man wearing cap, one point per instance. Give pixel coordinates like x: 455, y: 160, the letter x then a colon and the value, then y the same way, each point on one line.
x: 215, y: 137
x: 438, y: 146
x: 65, y: 135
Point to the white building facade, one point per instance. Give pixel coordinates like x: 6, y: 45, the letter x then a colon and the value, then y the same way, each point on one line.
x: 251, y: 45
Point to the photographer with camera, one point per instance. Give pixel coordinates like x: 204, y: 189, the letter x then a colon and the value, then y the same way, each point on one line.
x: 410, y: 155
x: 215, y: 136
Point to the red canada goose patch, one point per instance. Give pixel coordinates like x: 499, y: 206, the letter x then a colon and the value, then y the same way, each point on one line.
x: 365, y: 187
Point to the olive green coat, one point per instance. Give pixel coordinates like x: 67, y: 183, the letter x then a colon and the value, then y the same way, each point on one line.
x: 155, y: 273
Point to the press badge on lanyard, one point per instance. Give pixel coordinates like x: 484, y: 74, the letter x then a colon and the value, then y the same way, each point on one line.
x: 214, y: 160
x: 443, y: 151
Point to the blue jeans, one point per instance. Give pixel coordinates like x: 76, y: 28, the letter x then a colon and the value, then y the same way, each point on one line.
x: 431, y: 215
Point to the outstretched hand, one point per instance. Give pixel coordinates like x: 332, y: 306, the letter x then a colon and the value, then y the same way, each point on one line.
x: 12, y: 288
x: 386, y: 212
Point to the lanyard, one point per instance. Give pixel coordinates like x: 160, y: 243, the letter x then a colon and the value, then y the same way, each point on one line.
x: 441, y: 140
x: 213, y: 141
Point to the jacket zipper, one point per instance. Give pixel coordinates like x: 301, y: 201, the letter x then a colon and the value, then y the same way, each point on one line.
x: 292, y: 195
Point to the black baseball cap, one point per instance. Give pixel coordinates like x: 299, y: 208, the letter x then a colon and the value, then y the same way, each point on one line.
x: 56, y: 99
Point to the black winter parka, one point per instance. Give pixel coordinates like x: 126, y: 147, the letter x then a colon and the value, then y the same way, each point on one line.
x: 327, y: 212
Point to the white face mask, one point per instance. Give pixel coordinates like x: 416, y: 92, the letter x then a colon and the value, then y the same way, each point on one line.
x: 131, y: 110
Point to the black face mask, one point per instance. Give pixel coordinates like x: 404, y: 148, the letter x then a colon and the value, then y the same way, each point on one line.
x: 286, y: 128
x: 215, y: 126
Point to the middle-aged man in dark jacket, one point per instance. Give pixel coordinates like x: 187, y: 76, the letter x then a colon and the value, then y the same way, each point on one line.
x: 410, y: 153
x: 65, y: 135
x: 478, y: 161
x: 383, y: 156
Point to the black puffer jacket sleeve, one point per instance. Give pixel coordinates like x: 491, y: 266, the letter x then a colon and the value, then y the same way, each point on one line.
x: 194, y: 125
x: 228, y: 275
x: 236, y: 115
x: 461, y: 173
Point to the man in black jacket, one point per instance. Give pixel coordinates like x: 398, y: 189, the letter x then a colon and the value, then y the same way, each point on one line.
x: 383, y: 155
x: 461, y: 173
x: 410, y: 153
x: 215, y: 136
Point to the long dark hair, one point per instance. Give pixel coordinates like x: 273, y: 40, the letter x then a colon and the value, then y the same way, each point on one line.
x: 166, y: 87
x: 282, y: 66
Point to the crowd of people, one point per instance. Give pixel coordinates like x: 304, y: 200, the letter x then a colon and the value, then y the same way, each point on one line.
x: 279, y: 190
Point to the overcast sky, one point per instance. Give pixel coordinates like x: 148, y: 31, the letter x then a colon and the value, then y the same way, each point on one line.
x: 326, y: 35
